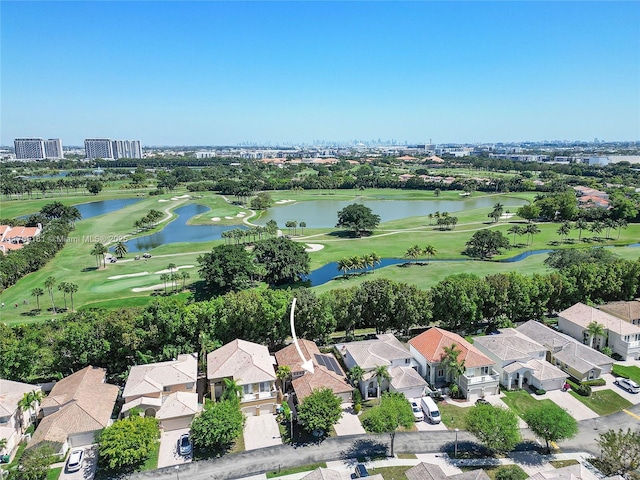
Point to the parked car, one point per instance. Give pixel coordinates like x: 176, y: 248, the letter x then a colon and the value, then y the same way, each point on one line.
x: 74, y: 462
x: 627, y: 384
x: 184, y: 445
x: 430, y: 409
x: 482, y: 401
x: 113, y: 260
x: 361, y: 471
x: 146, y: 255
x: 418, y: 416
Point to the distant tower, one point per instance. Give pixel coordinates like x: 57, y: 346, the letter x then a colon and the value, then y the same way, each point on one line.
x: 98, y: 148
x: 29, y: 148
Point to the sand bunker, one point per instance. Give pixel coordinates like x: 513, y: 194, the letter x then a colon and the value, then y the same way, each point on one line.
x: 160, y: 272
x: 507, y: 215
x: 180, y: 197
x: 241, y: 214
x: 215, y: 219
x: 229, y: 218
x: 284, y: 201
x: 128, y: 275
x: 313, y: 247
x: 163, y: 200
x: 159, y: 286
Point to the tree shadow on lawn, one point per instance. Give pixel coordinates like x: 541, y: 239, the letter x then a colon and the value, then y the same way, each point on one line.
x: 89, y: 269
x: 473, y: 450
x: 31, y: 313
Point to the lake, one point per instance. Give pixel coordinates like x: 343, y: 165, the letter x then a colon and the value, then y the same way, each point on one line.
x: 324, y: 213
x: 93, y: 209
x: 177, y: 231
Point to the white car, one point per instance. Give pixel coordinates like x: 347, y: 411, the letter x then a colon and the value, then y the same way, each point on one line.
x: 418, y: 416
x: 74, y: 462
x: 627, y: 384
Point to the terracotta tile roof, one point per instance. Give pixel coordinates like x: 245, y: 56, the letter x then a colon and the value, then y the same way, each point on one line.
x: 628, y: 311
x: 289, y: 355
x: 583, y: 315
x: 85, y: 404
x: 245, y: 362
x: 153, y: 377
x: 431, y: 345
x: 320, y: 378
x: 6, y: 246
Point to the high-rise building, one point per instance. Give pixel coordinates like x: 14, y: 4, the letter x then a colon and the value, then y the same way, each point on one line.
x: 98, y: 148
x: 53, y: 148
x: 112, y: 149
x: 37, y: 148
x: 127, y: 149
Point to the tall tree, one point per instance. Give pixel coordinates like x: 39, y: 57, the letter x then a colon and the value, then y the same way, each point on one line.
x: 620, y: 452
x: 129, y: 442
x: 393, y: 412
x: 413, y: 252
x: 164, y: 278
x: 595, y: 329
x: 358, y: 218
x: 62, y: 286
x: 227, y: 268
x: 37, y: 292
x: 49, y: 283
x: 98, y: 251
x: 580, y: 225
x: 551, y: 423
x: 515, y: 230
x: 284, y: 260
x: 382, y: 374
x: 320, y: 410
x: 496, y: 213
x: 184, y: 276
x: 495, y: 427
x: 429, y: 251
x: 120, y: 249
x: 71, y: 289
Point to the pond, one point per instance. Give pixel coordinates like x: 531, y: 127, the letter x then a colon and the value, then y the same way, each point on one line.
x: 324, y: 213
x: 177, y: 231
x: 93, y: 209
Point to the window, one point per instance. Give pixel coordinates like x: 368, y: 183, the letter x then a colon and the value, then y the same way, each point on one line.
x: 189, y: 386
x: 591, y: 375
x: 440, y: 372
x: 406, y: 360
x: 484, y: 371
x: 166, y: 388
x: 247, y: 389
x: 265, y: 386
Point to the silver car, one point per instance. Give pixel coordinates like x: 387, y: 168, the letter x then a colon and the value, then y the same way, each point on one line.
x: 627, y: 384
x: 74, y: 462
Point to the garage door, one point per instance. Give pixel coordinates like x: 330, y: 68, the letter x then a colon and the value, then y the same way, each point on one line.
x: 553, y: 384
x: 176, y: 423
x: 81, y: 439
x: 268, y: 408
x: 249, y: 411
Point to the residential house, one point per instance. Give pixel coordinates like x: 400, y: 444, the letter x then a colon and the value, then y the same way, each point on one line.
x: 251, y: 367
x: 627, y: 311
x: 13, y: 238
x: 571, y: 356
x: 427, y: 471
x: 77, y: 407
x: 327, y: 372
x: 621, y: 336
x: 570, y: 472
x: 385, y: 350
x: 479, y: 377
x: 165, y: 390
x: 328, y: 474
x: 13, y: 420
x: 520, y: 360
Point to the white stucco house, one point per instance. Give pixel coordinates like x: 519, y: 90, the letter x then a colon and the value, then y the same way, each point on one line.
x: 13, y: 420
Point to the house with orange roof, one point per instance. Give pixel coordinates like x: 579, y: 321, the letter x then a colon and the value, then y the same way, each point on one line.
x: 327, y: 372
x: 479, y: 377
x: 13, y: 238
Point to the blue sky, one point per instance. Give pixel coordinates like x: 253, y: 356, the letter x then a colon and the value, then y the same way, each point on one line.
x: 219, y: 73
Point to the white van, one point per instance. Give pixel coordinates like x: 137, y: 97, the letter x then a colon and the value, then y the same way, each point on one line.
x: 430, y: 409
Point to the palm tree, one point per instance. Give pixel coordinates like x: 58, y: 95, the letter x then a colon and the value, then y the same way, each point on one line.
x: 303, y: 226
x: 29, y: 401
x: 165, y: 278
x: 120, y: 249
x: 171, y: 267
x: 232, y: 390
x: 184, y: 276
x: 175, y: 277
x: 429, y: 251
x: 375, y: 260
x: 564, y: 230
x: 49, y: 283
x: 610, y: 223
x: 531, y: 229
x: 71, y: 289
x: 498, y: 208
x: 580, y: 225
x: 289, y: 225
x: 63, y: 288
x: 381, y: 374
x: 621, y: 223
x: 3, y: 444
x: 452, y: 366
x: 413, y: 252
x: 98, y: 251
x: 516, y: 230
x: 345, y: 264
x: 357, y: 262
x: 596, y: 227
x: 355, y: 375
x: 207, y: 344
x: 595, y: 329
x: 283, y: 373
x: 430, y: 218
x: 37, y: 292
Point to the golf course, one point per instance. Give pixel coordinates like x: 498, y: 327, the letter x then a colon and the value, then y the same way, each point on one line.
x: 131, y: 282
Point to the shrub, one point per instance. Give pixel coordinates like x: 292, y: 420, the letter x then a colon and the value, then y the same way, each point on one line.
x: 510, y: 472
x: 540, y: 391
x: 598, y: 382
x: 356, y: 408
x: 357, y: 397
x: 583, y: 390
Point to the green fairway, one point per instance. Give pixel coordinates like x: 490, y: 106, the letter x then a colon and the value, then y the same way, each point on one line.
x: 75, y: 264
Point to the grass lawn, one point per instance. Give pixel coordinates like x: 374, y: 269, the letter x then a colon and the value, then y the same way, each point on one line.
x: 630, y: 371
x: 54, y: 473
x: 152, y: 462
x: 520, y: 401
x: 391, y: 473
x: 289, y: 471
x: 454, y: 416
x: 563, y: 463
x: 603, y: 402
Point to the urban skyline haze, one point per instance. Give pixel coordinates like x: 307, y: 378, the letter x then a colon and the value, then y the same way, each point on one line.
x: 220, y: 73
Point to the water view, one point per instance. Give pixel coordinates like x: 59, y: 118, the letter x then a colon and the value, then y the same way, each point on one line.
x: 177, y: 231
x: 324, y: 213
x: 93, y: 209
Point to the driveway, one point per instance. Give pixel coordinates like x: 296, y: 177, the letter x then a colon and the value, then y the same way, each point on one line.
x: 169, y: 449
x: 426, y: 426
x: 88, y: 469
x: 349, y: 423
x: 610, y: 378
x: 261, y: 431
x: 573, y: 406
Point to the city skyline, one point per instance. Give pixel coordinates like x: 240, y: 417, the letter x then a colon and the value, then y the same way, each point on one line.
x: 221, y: 73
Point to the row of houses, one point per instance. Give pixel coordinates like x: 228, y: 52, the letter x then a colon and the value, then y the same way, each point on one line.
x: 532, y: 354
x: 13, y: 238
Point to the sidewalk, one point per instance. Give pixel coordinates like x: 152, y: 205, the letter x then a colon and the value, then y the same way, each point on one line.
x: 530, y: 462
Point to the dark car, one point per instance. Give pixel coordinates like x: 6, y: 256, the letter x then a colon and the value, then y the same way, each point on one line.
x: 482, y: 401
x: 184, y: 444
x: 146, y: 255
x: 361, y: 471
